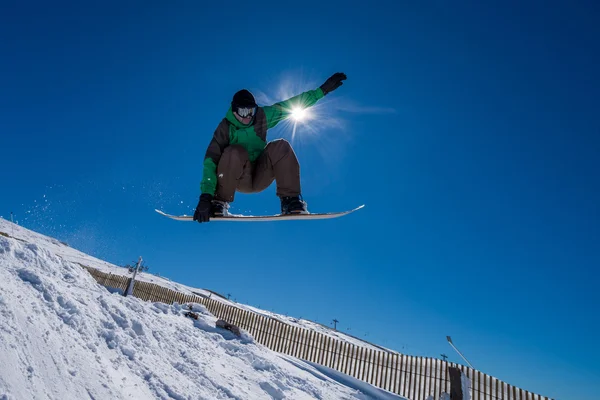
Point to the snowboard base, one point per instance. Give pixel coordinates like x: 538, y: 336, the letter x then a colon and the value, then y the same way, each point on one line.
x: 257, y: 218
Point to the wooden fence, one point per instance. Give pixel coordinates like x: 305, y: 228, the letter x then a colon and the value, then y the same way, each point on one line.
x: 416, y: 378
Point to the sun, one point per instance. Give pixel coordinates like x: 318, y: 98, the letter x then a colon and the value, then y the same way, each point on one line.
x: 299, y: 114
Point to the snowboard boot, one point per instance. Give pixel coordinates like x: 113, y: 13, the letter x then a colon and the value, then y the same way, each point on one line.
x: 293, y: 205
x: 219, y: 208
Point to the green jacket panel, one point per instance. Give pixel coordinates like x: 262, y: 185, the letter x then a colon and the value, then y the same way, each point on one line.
x: 282, y: 110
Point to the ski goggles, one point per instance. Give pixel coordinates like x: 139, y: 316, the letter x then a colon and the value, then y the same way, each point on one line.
x: 246, y: 112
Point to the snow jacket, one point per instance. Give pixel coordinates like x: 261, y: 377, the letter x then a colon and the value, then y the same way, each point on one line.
x: 252, y: 137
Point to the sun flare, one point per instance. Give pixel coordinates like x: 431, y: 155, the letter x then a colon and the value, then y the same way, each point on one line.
x: 299, y: 114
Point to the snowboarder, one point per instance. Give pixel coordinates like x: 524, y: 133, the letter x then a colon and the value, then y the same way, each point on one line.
x: 238, y: 157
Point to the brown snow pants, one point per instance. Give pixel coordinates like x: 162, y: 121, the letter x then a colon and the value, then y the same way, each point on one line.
x: 277, y: 162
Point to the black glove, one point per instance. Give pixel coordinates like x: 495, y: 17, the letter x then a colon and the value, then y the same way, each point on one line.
x: 204, y: 208
x: 334, y: 82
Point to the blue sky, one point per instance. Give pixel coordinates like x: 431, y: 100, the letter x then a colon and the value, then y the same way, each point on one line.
x: 470, y: 131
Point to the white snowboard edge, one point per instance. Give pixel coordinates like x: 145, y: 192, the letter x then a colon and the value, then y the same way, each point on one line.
x: 261, y: 218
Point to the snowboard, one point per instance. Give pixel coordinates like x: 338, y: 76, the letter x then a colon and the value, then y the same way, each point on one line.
x: 264, y: 218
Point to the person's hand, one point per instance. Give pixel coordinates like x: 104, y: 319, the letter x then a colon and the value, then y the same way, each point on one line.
x: 203, y: 209
x: 333, y: 82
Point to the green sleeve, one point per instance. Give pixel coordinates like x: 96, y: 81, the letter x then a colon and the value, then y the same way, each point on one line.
x: 282, y: 110
x: 219, y: 141
x: 209, y: 177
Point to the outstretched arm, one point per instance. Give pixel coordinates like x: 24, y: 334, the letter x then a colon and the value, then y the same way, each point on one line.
x: 282, y: 110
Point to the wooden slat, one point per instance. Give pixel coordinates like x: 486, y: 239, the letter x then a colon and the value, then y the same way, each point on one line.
x: 378, y: 368
x: 446, y: 377
x: 229, y: 310
x: 245, y: 320
x: 357, y: 357
x: 237, y: 314
x: 298, y: 342
x: 266, y: 326
x: 320, y: 346
x: 300, y: 338
x: 306, y: 344
x: 327, y: 358
x: 290, y: 343
x: 380, y: 361
x: 345, y: 351
x: 240, y: 316
x: 221, y: 310
x: 294, y: 344
x: 372, y: 364
x: 232, y: 315
x: 340, y: 359
x: 318, y: 343
x: 217, y: 310
x: 286, y: 341
x: 282, y: 337
x: 427, y: 377
x: 227, y: 313
x: 410, y: 377
x: 332, y: 355
x: 431, y: 379
x: 349, y: 359
x: 270, y: 329
x: 418, y: 376
x: 435, y: 382
x: 275, y: 336
x: 307, y: 347
x: 329, y: 352
x: 402, y: 376
x: 310, y: 345
x: 395, y: 373
x: 252, y: 325
x: 335, y: 353
x: 343, y: 356
x: 480, y: 384
x: 256, y: 327
x: 276, y: 330
x: 387, y: 368
x: 262, y: 322
x: 322, y: 349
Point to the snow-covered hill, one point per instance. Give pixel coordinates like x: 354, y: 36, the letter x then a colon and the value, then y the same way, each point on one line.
x: 73, y: 255
x: 63, y: 336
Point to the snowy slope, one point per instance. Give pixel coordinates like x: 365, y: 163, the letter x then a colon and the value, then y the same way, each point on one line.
x: 64, y: 336
x: 70, y: 254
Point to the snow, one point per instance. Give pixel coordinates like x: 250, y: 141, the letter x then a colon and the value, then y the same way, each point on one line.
x: 64, y: 336
x: 70, y: 254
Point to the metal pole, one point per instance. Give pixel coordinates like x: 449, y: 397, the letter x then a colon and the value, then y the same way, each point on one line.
x: 137, y: 267
x: 459, y: 353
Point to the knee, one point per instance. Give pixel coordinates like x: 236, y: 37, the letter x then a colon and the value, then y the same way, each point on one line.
x: 236, y: 151
x: 281, y: 145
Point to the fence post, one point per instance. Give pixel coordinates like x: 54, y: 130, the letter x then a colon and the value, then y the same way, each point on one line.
x: 129, y: 291
x: 459, y: 385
